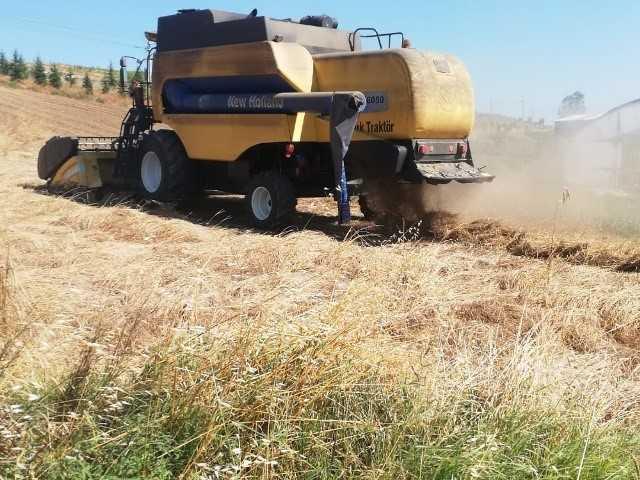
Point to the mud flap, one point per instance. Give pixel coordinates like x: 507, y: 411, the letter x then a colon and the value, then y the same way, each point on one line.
x: 344, y: 116
x: 462, y: 172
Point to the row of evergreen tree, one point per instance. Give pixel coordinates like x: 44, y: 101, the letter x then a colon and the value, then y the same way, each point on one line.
x: 17, y: 70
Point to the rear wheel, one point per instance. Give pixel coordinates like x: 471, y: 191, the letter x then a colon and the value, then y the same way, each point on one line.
x: 166, y: 173
x: 367, y: 213
x: 270, y: 199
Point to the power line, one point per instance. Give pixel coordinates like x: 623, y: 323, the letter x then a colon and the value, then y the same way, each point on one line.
x: 71, y: 30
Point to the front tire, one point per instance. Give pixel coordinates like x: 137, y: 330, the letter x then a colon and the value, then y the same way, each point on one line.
x: 166, y: 173
x: 270, y: 199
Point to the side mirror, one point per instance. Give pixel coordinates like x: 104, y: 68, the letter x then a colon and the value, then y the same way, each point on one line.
x: 123, y: 75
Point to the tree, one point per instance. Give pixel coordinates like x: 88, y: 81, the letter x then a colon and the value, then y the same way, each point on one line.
x: 87, y: 84
x: 55, y: 79
x: 18, y: 69
x: 70, y: 78
x: 38, y: 72
x: 572, y: 105
x: 111, y: 76
x: 4, y: 64
x: 109, y: 80
x: 105, y: 85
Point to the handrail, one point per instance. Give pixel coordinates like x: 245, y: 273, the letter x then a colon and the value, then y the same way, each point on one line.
x: 376, y: 34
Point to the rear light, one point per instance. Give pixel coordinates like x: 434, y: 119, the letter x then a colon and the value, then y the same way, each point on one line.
x: 289, y: 150
x: 458, y: 149
x: 425, y: 149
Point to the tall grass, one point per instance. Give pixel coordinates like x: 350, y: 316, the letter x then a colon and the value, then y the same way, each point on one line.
x: 272, y: 401
x: 374, y: 384
x: 12, y: 327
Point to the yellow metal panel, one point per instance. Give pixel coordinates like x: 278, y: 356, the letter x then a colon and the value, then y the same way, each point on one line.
x: 298, y: 127
x: 295, y: 65
x: 379, y: 71
x: 444, y: 103
x: 422, y: 102
x: 78, y: 172
x: 226, y: 136
x: 288, y: 60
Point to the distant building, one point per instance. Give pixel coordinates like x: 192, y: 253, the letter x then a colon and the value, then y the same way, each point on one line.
x: 602, y: 150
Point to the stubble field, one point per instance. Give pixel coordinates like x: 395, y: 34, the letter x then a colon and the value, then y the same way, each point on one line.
x: 153, y: 343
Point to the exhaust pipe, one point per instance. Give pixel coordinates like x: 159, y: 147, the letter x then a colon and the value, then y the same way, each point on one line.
x: 123, y: 76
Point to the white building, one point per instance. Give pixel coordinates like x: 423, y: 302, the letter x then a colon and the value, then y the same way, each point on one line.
x: 603, y: 150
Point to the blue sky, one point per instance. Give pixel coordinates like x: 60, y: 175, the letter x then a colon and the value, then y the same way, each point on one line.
x: 538, y: 51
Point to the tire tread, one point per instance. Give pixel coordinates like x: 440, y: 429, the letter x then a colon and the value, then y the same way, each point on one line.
x: 179, y: 180
x: 285, y: 200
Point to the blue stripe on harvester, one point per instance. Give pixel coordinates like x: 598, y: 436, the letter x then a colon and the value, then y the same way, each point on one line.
x: 184, y: 95
x: 236, y: 84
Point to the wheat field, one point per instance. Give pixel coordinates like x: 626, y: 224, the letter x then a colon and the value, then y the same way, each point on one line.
x: 159, y: 343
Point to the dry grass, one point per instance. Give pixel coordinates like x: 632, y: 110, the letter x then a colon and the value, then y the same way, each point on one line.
x: 75, y: 92
x: 619, y: 254
x: 154, y: 347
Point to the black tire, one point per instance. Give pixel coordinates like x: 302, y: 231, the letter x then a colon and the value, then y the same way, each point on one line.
x: 176, y: 178
x: 53, y: 154
x: 367, y: 213
x: 281, y: 202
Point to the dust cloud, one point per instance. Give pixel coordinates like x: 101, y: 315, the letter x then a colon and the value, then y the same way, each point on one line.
x: 543, y: 179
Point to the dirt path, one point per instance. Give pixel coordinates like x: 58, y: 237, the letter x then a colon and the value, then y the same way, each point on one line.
x: 57, y: 114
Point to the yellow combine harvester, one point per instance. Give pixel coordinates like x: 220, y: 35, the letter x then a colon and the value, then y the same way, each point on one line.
x: 277, y: 110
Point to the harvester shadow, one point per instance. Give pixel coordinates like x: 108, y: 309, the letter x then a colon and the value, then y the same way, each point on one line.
x: 312, y: 215
x: 229, y: 212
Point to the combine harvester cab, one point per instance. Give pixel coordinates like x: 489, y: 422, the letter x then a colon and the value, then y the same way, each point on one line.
x: 278, y: 110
